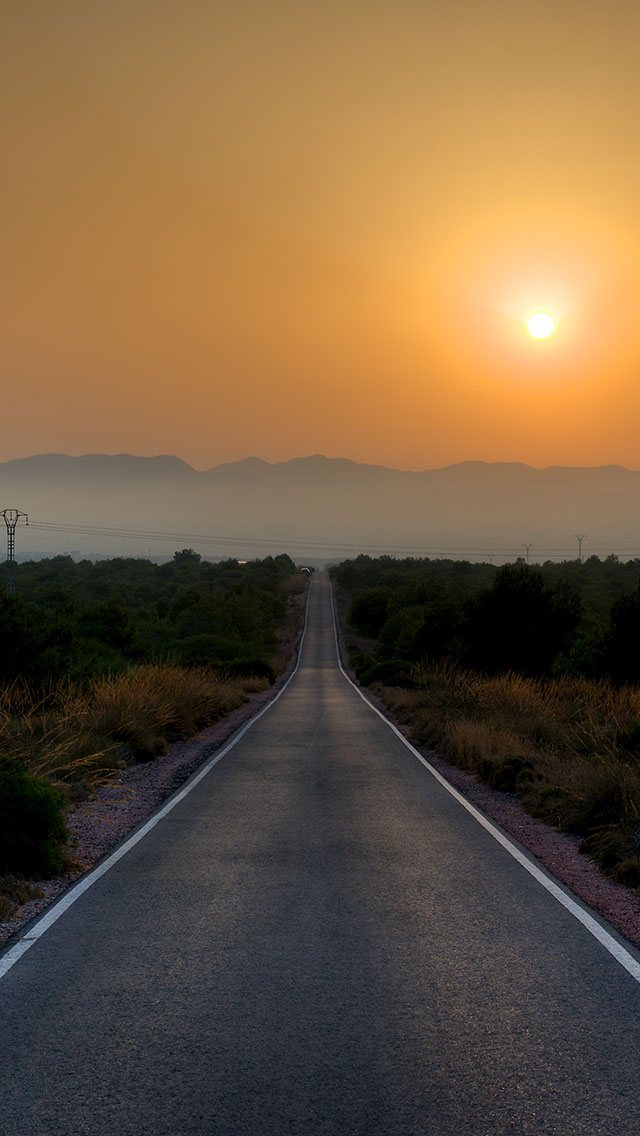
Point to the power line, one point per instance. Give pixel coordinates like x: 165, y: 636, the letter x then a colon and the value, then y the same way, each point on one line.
x: 275, y: 542
x: 301, y: 543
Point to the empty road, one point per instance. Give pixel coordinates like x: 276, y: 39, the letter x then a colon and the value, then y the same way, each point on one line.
x: 318, y: 939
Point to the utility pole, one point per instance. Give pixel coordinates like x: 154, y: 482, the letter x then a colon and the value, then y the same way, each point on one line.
x: 580, y: 537
x: 527, y: 548
x: 11, y: 518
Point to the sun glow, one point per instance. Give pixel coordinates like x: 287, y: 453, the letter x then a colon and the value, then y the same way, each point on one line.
x: 541, y: 325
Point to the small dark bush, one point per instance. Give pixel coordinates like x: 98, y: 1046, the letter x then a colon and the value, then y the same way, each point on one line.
x: 14, y: 892
x: 614, y: 848
x: 628, y: 872
x: 32, y: 829
x: 360, y: 661
x: 542, y: 799
x: 392, y: 672
x: 507, y: 773
x: 369, y: 610
x: 601, y: 804
x: 250, y: 668
x: 629, y: 739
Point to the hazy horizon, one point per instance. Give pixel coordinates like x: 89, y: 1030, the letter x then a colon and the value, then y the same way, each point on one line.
x: 294, y: 457
x: 126, y: 504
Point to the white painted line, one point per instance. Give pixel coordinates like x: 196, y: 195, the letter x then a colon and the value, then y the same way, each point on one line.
x: 51, y: 916
x: 623, y: 956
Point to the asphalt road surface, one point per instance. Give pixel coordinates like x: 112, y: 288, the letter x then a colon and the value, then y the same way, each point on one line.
x: 318, y: 939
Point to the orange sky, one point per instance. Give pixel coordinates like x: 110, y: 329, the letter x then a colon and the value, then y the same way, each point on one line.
x: 284, y: 228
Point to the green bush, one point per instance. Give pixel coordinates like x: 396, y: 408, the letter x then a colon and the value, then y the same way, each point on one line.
x: 369, y: 610
x: 32, y: 828
x: 360, y: 660
x: 250, y: 668
x: 391, y: 672
x: 507, y: 773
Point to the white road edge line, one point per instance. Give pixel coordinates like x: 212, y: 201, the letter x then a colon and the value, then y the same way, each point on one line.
x: 620, y: 954
x: 51, y: 916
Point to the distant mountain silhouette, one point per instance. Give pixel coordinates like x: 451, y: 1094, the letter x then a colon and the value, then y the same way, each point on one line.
x: 319, y: 507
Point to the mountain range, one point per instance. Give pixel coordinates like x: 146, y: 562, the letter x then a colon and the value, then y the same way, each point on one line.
x: 318, y: 508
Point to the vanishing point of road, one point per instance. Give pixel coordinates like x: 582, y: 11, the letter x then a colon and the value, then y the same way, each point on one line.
x: 318, y: 939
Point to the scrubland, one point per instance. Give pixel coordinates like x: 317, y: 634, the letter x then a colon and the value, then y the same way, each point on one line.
x: 90, y: 685
x: 528, y: 678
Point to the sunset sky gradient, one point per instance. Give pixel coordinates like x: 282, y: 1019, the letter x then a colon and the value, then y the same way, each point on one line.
x: 285, y: 228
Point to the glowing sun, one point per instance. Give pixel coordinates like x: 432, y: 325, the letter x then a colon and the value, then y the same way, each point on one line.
x: 541, y: 325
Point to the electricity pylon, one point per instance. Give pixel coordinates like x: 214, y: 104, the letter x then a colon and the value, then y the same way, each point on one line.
x: 580, y: 537
x: 527, y: 548
x: 11, y: 518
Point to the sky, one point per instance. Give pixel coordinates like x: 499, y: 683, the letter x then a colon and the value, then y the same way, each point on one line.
x: 278, y: 228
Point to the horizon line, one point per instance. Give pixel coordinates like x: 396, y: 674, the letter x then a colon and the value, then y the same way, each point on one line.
x: 311, y: 457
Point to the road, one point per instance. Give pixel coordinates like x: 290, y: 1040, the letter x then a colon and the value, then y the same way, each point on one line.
x: 318, y: 939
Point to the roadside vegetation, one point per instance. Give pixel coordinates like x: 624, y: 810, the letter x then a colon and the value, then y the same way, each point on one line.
x: 525, y: 676
x: 82, y: 619
x: 107, y: 664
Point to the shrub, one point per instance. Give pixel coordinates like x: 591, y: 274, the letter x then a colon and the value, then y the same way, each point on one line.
x: 360, y: 660
x: 32, y: 828
x: 621, y: 648
x: 369, y: 610
x: 392, y: 672
x: 251, y: 668
x: 506, y: 775
x: 152, y: 705
x: 14, y: 892
x: 521, y: 623
x: 399, y: 634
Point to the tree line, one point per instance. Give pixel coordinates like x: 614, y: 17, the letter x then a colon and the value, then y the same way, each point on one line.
x: 81, y: 619
x: 571, y: 618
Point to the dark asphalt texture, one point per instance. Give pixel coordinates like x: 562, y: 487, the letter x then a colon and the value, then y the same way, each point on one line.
x: 318, y: 939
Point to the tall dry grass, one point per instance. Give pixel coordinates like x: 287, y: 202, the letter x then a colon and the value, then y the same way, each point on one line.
x: 78, y: 734
x: 568, y: 747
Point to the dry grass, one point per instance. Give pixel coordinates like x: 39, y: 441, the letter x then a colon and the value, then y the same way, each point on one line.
x: 15, y: 891
x: 569, y: 748
x: 154, y: 705
x: 76, y: 736
x: 79, y: 735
